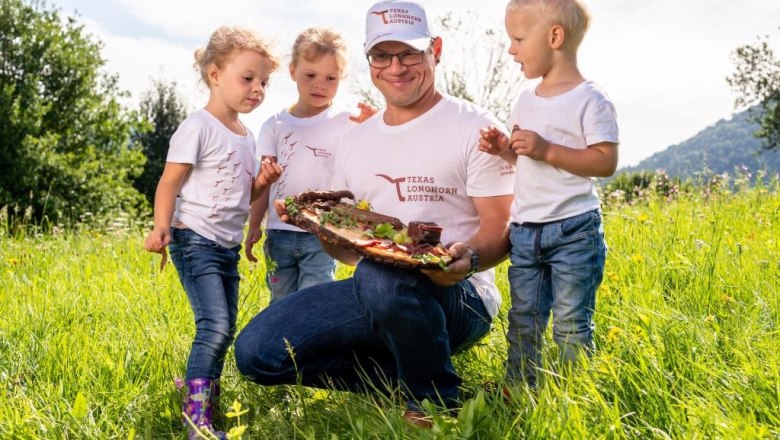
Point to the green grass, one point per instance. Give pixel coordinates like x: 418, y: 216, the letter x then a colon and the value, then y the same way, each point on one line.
x: 688, y: 334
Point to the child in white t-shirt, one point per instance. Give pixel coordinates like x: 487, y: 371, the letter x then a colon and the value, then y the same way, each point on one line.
x: 302, y: 139
x: 202, y: 202
x: 564, y: 134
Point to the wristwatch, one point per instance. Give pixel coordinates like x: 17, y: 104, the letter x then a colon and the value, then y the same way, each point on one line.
x: 474, y: 263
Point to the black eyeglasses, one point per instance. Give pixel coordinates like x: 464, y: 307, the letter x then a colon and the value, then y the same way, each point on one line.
x: 406, y: 58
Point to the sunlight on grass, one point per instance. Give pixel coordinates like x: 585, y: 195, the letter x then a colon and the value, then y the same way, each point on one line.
x: 688, y: 327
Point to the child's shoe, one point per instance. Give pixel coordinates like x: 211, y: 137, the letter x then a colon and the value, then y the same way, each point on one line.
x: 196, y: 406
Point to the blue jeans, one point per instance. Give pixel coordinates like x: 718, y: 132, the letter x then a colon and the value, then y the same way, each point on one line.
x: 381, y: 329
x: 209, y: 274
x: 558, y: 267
x: 298, y: 261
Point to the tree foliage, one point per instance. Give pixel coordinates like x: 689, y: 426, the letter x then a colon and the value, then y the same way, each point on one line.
x: 475, y: 64
x: 65, y: 150
x: 757, y: 80
x: 162, y: 107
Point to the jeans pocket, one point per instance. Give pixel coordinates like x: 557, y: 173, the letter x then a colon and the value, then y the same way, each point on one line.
x: 580, y: 226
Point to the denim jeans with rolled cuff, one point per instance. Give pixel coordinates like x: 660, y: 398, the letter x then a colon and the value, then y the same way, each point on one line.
x: 298, y: 262
x: 209, y: 274
x: 383, y: 328
x: 556, y: 267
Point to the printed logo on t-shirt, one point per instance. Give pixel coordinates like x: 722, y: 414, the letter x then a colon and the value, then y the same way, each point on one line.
x: 418, y: 188
x: 320, y: 152
x: 506, y: 169
x: 228, y: 171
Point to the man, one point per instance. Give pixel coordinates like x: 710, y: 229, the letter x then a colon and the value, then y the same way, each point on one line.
x: 415, y: 160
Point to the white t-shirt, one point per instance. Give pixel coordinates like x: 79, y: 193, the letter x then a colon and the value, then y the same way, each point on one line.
x: 580, y: 117
x: 214, y: 200
x: 304, y: 147
x: 427, y: 169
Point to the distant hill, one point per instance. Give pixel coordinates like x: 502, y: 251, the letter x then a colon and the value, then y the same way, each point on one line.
x: 722, y: 147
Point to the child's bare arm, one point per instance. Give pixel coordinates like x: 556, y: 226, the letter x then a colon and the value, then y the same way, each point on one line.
x: 257, y: 211
x: 168, y: 187
x: 495, y: 142
x: 598, y: 160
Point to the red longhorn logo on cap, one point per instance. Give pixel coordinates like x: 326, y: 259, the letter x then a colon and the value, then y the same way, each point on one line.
x: 381, y: 14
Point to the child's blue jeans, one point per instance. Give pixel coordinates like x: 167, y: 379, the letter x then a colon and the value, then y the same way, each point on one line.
x: 298, y: 261
x: 209, y: 274
x: 558, y: 267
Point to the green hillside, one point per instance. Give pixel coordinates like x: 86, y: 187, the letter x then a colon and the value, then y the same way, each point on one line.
x: 722, y: 147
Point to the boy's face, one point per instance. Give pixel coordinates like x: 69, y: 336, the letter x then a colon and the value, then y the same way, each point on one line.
x: 529, y: 41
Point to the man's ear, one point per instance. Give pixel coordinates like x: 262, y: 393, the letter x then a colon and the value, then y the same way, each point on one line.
x: 557, y: 36
x: 437, y: 48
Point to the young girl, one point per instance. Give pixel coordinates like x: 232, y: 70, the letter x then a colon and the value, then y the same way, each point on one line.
x: 202, y: 202
x: 302, y: 139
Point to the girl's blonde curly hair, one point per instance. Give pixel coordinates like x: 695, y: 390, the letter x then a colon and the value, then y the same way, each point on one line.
x: 224, y: 41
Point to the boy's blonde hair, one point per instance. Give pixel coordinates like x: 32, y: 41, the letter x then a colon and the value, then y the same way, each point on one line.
x: 223, y: 42
x: 571, y: 15
x: 315, y: 42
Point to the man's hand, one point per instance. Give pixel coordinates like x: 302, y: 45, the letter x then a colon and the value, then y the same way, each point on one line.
x: 458, y: 268
x: 252, y: 237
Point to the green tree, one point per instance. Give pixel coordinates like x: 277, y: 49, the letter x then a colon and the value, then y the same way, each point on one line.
x: 476, y: 65
x: 65, y: 149
x: 757, y: 80
x: 164, y: 109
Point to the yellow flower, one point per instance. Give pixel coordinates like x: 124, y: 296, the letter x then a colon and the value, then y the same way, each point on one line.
x: 637, y: 258
x: 641, y: 218
x: 613, y: 334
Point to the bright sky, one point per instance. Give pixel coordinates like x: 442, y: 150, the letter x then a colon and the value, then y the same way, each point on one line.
x: 664, y: 63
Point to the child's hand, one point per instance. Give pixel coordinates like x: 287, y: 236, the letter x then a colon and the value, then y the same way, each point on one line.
x: 269, y: 172
x: 366, y: 111
x: 492, y: 140
x: 528, y: 143
x: 252, y: 237
x: 157, y: 239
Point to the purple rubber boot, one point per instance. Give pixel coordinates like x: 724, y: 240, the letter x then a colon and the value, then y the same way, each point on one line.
x: 197, y: 407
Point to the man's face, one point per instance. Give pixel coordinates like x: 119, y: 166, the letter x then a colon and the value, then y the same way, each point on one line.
x: 403, y: 86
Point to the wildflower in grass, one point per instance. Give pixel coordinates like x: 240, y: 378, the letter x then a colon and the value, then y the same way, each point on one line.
x: 637, y: 258
x: 613, y: 334
x: 12, y: 261
x: 612, y: 277
x: 726, y: 298
x: 642, y: 218
x: 709, y: 318
x: 320, y: 395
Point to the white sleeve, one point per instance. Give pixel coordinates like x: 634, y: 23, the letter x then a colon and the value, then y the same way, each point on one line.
x: 599, y: 123
x: 185, y: 143
x: 267, y: 141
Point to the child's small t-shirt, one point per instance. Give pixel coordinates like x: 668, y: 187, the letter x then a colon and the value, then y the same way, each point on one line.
x: 214, y: 199
x: 304, y: 147
x: 580, y: 117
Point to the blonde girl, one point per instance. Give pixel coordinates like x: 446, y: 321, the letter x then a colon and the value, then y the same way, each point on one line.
x: 202, y: 203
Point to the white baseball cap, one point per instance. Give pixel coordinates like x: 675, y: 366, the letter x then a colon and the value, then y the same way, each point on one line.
x: 403, y: 21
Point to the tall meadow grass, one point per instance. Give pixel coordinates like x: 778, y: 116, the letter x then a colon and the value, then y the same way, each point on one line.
x: 688, y: 335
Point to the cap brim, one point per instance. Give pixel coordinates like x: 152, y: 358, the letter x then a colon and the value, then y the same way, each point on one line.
x: 414, y: 39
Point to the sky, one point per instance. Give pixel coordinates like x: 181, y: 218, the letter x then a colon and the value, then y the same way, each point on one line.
x: 664, y: 63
